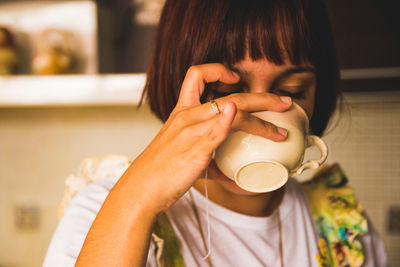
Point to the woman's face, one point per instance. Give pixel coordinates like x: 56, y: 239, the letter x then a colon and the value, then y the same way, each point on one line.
x: 298, y: 82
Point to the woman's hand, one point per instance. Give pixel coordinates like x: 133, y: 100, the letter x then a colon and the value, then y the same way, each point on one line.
x: 183, y: 148
x: 177, y: 156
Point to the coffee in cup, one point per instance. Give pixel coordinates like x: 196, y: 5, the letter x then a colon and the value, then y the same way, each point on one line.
x: 258, y: 164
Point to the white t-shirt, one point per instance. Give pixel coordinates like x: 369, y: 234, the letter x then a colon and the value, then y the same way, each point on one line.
x: 236, y: 239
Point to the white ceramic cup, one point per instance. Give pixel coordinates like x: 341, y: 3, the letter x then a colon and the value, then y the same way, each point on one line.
x: 258, y: 164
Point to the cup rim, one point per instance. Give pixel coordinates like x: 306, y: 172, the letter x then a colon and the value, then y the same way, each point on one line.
x: 273, y: 188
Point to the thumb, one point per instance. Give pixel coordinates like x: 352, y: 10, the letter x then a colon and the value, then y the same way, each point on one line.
x: 228, y: 115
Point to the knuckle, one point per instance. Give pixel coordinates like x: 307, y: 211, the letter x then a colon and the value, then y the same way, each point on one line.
x: 173, y: 113
x: 238, y: 100
x: 213, y: 135
x: 186, y: 132
x: 194, y: 70
x: 273, y: 99
x: 270, y: 128
x: 179, y: 118
x: 270, y: 95
x: 234, y: 98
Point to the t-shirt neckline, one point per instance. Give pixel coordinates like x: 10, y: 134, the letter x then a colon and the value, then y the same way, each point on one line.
x: 229, y: 217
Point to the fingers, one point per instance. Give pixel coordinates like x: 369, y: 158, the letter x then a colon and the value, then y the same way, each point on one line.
x: 243, y: 120
x: 196, y: 78
x: 254, y: 125
x: 248, y: 102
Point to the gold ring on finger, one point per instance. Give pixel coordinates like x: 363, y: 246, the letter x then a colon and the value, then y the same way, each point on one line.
x: 214, y: 107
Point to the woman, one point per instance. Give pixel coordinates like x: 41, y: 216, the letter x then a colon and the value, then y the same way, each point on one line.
x: 248, y: 56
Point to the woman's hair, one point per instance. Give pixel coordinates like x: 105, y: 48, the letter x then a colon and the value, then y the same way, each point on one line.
x: 193, y: 32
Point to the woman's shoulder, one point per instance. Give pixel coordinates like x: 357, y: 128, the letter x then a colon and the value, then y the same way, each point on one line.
x: 86, y: 191
x: 90, y: 175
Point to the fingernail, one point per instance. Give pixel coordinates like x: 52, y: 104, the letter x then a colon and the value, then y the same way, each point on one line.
x: 282, y: 131
x: 286, y: 99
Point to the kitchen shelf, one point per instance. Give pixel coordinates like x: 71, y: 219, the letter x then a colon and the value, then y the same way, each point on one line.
x: 108, y: 90
x: 71, y: 90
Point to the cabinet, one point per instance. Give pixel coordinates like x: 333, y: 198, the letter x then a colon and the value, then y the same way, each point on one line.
x: 367, y: 37
x: 112, y: 61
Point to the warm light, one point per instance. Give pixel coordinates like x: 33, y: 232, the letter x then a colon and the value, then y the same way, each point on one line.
x: 71, y: 90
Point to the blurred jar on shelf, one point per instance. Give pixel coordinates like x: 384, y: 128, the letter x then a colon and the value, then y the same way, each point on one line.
x: 55, y: 53
x: 8, y: 52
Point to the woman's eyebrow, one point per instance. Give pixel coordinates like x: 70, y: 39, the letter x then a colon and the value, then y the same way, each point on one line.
x: 282, y: 75
x: 287, y: 72
x: 242, y: 73
x: 293, y: 70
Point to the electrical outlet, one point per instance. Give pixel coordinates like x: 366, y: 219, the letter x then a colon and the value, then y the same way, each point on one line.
x: 394, y: 220
x: 27, y: 217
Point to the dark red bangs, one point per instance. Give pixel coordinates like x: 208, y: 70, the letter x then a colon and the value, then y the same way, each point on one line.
x: 275, y: 30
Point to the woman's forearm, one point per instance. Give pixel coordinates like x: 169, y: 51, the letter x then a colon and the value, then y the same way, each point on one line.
x: 120, y: 234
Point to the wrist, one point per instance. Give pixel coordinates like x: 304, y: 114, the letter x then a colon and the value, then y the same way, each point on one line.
x: 144, y: 192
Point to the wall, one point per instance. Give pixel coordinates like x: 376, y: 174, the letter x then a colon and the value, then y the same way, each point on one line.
x: 367, y: 145
x: 39, y: 147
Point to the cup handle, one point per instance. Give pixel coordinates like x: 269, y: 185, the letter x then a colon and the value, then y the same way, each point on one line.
x: 314, y: 163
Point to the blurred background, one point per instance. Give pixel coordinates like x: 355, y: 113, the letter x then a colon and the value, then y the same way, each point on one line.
x: 71, y: 76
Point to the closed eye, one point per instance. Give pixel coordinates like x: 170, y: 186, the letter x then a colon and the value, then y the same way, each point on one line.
x: 296, y: 85
x: 293, y: 92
